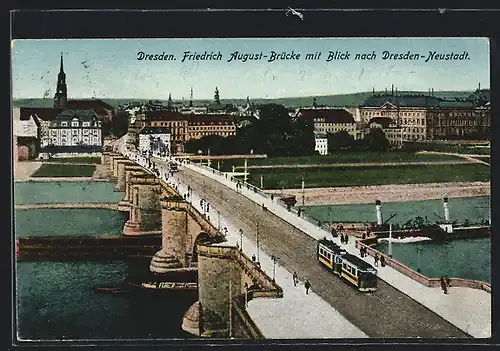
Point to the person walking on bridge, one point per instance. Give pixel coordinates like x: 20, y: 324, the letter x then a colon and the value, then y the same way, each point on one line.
x: 295, y: 278
x: 376, y: 260
x: 307, y: 286
x: 443, y: 285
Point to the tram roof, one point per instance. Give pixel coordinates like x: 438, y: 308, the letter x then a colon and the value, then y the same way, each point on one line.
x: 358, y: 262
x: 330, y: 244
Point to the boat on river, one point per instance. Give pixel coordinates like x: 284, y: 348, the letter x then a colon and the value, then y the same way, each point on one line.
x: 166, y: 286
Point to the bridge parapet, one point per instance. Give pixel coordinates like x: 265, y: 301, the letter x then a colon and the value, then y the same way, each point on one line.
x: 121, y: 174
x: 225, y: 273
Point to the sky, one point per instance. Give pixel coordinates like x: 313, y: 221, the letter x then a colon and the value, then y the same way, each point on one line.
x: 109, y: 68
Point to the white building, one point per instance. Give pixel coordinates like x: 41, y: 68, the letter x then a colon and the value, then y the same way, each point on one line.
x: 321, y: 144
x: 155, y: 141
x: 72, y: 130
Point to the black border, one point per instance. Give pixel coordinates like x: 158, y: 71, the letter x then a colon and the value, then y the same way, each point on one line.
x: 204, y: 23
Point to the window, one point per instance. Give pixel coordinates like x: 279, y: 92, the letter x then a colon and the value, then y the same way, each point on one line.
x: 74, y: 123
x: 86, y: 124
x: 64, y: 124
x: 85, y: 132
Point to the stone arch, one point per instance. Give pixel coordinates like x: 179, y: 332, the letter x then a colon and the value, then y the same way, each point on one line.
x: 201, y: 238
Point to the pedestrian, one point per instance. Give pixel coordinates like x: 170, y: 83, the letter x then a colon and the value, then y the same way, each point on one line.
x: 443, y: 285
x: 346, y: 239
x: 382, y: 261
x: 295, y: 278
x: 253, y: 258
x: 342, y: 238
x: 272, y: 197
x: 376, y: 260
x: 307, y: 286
x: 448, y: 280
x: 361, y: 252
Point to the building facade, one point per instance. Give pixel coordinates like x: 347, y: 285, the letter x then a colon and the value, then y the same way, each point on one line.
x: 321, y: 144
x: 330, y: 121
x: 74, y: 131
x: 205, y: 125
x: 392, y: 131
x: 155, y: 141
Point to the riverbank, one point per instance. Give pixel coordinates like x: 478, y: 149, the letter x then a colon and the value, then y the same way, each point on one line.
x: 386, y: 193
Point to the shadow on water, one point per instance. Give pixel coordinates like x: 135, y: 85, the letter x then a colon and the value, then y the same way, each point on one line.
x: 57, y: 300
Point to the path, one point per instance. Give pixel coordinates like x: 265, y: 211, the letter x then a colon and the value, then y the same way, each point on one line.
x: 386, y: 193
x: 110, y: 206
x: 469, y: 157
x: 360, y: 164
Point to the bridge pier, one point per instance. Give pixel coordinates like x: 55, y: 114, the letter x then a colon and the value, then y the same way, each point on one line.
x: 174, y: 220
x: 130, y: 171
x: 145, y: 212
x: 121, y: 174
x: 226, y: 276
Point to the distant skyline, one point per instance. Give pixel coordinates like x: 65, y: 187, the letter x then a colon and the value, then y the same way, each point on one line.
x: 109, y: 68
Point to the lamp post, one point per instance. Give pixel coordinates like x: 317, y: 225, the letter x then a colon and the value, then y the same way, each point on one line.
x: 274, y: 266
x: 258, y: 248
x: 241, y: 239
x: 390, y: 240
x: 418, y: 260
x: 303, y: 192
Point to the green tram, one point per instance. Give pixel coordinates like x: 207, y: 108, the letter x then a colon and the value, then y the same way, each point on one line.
x: 353, y: 269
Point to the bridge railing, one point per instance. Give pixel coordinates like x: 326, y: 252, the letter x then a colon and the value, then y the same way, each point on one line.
x: 310, y: 223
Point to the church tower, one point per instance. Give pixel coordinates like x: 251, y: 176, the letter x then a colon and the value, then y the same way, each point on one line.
x: 61, y: 95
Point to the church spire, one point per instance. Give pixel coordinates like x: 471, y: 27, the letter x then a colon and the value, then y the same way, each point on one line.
x: 191, y: 98
x: 61, y: 95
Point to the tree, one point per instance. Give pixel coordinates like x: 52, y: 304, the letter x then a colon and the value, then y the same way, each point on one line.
x: 216, y: 96
x: 376, y: 140
x: 302, y: 143
x: 119, y: 124
x: 340, y: 140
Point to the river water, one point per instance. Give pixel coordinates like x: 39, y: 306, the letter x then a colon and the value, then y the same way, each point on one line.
x: 468, y: 258
x: 57, y: 300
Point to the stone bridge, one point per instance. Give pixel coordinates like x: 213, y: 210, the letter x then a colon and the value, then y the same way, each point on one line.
x: 187, y: 241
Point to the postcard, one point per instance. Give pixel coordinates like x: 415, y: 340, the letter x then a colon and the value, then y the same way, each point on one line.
x: 252, y: 188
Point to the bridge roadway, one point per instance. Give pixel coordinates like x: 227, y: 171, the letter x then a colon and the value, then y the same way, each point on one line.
x: 387, y: 313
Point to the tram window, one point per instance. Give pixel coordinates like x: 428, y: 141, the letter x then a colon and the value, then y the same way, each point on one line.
x: 344, y: 265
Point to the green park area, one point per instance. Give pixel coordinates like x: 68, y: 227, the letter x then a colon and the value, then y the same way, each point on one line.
x: 341, y: 157
x: 51, y: 170
x: 77, y: 159
x: 358, y: 176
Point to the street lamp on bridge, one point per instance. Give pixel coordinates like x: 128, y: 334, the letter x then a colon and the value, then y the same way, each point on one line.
x: 241, y: 239
x: 274, y: 267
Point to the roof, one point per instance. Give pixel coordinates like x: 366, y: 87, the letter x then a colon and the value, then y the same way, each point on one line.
x: 331, y: 245
x: 164, y: 115
x: 154, y: 130
x: 80, y: 114
x: 331, y: 115
x: 358, y: 262
x: 45, y: 114
x: 401, y: 100
x: 89, y: 104
x: 385, y: 122
x: 210, y: 118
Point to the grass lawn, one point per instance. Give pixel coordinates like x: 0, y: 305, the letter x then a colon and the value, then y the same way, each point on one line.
x: 64, y: 171
x: 78, y: 159
x: 340, y: 157
x: 324, y: 177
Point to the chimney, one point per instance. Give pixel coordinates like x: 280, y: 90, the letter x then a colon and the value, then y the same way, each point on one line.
x: 479, y: 85
x: 385, y: 91
x: 374, y: 91
x: 378, y: 207
x: 432, y: 92
x: 392, y: 88
x: 396, y: 91
x: 429, y: 91
x: 446, y: 210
